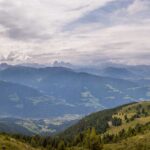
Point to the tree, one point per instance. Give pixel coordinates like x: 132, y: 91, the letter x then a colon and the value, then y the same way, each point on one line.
x: 61, y: 145
x: 78, y: 139
x: 116, y: 121
x: 93, y: 141
x: 125, y: 117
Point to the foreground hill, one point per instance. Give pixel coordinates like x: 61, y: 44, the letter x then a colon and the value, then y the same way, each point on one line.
x: 138, y: 142
x: 127, y: 115
x: 8, y: 143
x: 125, y: 127
x: 98, y: 120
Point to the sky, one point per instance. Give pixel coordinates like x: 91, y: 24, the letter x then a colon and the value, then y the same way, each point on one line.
x: 82, y: 32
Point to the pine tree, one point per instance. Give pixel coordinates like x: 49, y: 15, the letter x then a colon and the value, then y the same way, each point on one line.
x: 95, y: 142
x: 61, y: 145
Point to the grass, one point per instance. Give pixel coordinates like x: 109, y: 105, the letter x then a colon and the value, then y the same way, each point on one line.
x: 115, y: 130
x: 12, y: 144
x: 139, y: 142
x: 130, y: 111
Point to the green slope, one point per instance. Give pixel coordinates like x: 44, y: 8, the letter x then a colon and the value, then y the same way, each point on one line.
x: 131, y: 133
x: 138, y: 113
x: 138, y: 142
x: 12, y: 144
x: 98, y: 120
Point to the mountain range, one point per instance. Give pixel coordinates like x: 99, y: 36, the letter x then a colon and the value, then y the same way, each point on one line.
x: 32, y: 98
x: 56, y: 91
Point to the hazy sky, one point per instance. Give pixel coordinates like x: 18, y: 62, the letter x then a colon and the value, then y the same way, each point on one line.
x: 75, y: 31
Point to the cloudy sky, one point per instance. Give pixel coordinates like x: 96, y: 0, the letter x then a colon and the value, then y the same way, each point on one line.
x: 76, y: 31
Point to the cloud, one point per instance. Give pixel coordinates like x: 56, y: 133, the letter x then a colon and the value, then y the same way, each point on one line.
x: 102, y: 14
x: 80, y: 32
x: 139, y: 6
x: 15, y: 56
x: 41, y: 19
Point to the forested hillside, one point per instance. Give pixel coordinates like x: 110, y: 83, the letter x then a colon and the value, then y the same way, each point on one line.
x: 125, y: 127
